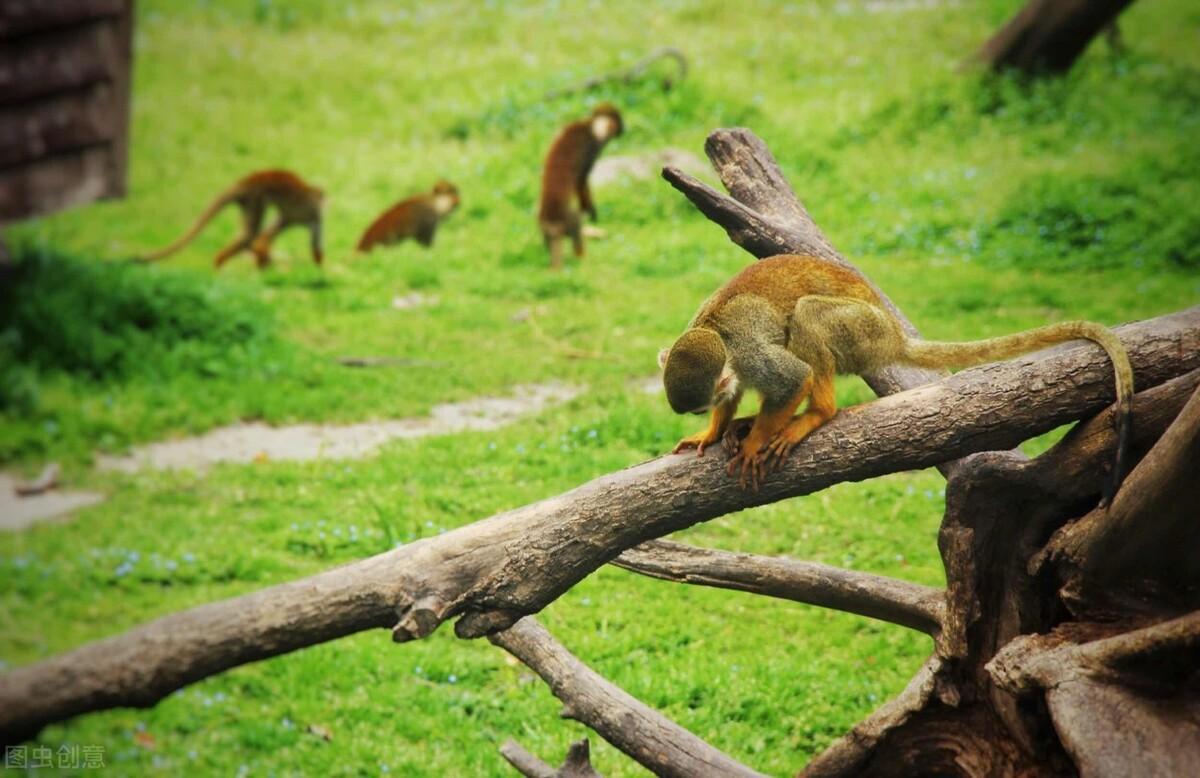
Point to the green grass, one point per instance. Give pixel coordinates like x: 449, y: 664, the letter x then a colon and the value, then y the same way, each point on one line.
x: 982, y: 205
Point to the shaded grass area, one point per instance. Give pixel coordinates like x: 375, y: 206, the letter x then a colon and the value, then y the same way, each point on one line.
x: 982, y: 205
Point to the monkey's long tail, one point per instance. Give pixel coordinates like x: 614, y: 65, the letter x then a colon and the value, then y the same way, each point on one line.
x: 922, y: 353
x: 213, y: 208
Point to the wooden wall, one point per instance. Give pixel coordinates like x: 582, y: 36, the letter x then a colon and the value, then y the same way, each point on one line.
x: 65, y: 69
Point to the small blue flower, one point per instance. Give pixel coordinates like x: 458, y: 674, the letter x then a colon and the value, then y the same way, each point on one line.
x: 452, y: 678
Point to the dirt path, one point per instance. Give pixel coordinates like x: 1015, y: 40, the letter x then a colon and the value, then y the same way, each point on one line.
x: 255, y: 441
x: 17, y: 512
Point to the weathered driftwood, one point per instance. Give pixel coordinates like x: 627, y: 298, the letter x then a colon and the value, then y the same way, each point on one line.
x: 999, y: 510
x: 1047, y: 36
x: 494, y: 571
x: 888, y: 599
x: 578, y: 763
x: 643, y: 733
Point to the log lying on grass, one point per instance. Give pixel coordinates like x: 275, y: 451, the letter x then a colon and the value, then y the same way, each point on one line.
x: 494, y: 571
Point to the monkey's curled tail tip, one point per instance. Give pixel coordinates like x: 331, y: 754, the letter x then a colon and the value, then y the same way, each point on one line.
x: 1123, y: 422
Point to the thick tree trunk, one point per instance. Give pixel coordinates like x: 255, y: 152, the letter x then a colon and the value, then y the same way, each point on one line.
x: 1047, y: 36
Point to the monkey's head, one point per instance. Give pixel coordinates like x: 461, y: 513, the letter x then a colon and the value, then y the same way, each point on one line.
x: 606, y: 122
x: 445, y: 197
x: 695, y: 372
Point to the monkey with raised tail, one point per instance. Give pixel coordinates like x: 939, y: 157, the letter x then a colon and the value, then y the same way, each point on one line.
x: 417, y: 218
x: 785, y: 325
x: 297, y: 204
x: 565, y: 193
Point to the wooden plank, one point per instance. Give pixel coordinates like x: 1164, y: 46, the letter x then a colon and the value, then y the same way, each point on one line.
x: 64, y: 122
x: 122, y: 86
x: 38, y: 65
x: 23, y: 17
x: 55, y: 182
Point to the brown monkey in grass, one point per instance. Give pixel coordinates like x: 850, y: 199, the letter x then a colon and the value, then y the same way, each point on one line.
x: 565, y: 193
x: 785, y: 325
x: 417, y: 217
x: 296, y: 202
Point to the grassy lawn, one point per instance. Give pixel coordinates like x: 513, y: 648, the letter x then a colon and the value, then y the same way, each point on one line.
x: 981, y: 205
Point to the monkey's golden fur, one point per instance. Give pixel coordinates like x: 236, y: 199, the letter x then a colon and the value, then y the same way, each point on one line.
x: 417, y: 218
x: 295, y: 201
x: 784, y: 326
x: 565, y: 193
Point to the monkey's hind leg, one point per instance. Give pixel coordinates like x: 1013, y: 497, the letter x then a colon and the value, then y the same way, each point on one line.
x: 552, y: 235
x: 822, y: 406
x: 262, y: 246
x: 577, y: 242
x: 252, y: 215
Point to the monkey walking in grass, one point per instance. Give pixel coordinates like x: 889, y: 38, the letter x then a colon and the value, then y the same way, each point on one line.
x: 785, y: 325
x: 565, y: 193
x: 296, y: 202
x: 417, y: 218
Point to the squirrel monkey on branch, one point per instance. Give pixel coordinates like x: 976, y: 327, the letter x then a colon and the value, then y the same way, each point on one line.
x: 785, y: 325
x: 417, y: 218
x: 297, y: 204
x: 565, y: 193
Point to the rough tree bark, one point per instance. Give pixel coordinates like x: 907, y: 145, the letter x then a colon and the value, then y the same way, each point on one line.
x: 1047, y: 36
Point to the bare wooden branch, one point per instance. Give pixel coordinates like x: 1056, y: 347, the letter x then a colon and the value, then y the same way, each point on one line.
x: 888, y: 599
x: 495, y: 571
x: 577, y: 765
x: 639, y: 731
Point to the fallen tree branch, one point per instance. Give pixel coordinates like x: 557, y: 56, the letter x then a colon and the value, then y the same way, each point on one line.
x: 494, y: 571
x: 578, y: 763
x: 888, y: 599
x: 644, y: 734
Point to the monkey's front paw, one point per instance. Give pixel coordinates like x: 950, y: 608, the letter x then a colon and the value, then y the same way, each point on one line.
x: 699, y: 441
x: 749, y: 467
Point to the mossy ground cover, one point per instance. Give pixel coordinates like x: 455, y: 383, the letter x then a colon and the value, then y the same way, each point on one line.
x: 981, y: 205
